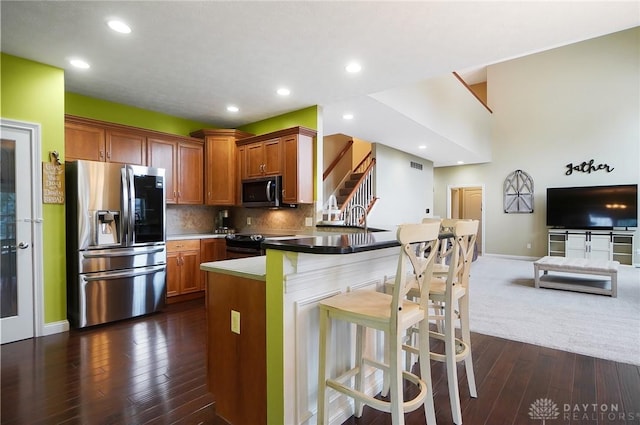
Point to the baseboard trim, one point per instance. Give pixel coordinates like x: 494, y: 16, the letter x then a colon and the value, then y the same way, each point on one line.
x: 55, y: 327
x: 512, y: 257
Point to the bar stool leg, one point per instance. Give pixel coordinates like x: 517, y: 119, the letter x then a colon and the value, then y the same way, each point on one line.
x: 323, y: 368
x: 425, y: 372
x: 359, y: 383
x: 395, y: 352
x: 466, y: 337
x: 452, y: 372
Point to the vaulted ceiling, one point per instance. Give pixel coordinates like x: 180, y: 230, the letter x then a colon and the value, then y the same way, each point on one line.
x: 194, y: 58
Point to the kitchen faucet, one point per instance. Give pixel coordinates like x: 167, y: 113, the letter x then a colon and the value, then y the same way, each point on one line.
x: 364, y: 212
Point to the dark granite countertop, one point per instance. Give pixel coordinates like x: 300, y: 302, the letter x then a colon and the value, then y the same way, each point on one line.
x: 346, y: 243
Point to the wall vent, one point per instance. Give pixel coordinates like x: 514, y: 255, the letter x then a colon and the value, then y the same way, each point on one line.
x: 416, y: 165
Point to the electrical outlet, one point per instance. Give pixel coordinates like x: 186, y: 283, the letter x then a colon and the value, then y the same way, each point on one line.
x: 235, y: 322
x: 308, y: 221
x: 529, y: 245
x: 248, y: 221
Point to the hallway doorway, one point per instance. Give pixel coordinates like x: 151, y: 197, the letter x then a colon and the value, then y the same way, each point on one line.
x: 467, y: 202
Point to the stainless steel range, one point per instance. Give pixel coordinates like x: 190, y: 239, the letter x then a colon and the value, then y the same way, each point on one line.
x: 242, y: 245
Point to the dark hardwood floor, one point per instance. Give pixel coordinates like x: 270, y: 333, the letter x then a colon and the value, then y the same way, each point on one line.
x: 153, y: 370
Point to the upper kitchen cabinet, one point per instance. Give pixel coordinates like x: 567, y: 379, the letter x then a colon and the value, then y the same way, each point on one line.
x: 263, y: 158
x: 220, y: 164
x: 286, y: 152
x: 97, y: 141
x: 297, y: 176
x: 183, y: 161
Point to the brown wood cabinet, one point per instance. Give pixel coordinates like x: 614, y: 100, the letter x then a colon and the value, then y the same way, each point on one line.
x: 220, y: 165
x: 211, y: 249
x: 287, y: 152
x: 94, y: 141
x: 237, y: 370
x: 183, y: 161
x: 297, y: 181
x: 264, y: 158
x: 182, y: 157
x: 183, y: 267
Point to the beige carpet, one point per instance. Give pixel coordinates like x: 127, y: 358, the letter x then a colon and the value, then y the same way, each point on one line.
x: 504, y: 303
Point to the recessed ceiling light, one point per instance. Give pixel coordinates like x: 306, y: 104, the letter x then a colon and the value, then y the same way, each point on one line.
x: 353, y: 67
x: 283, y: 91
x: 119, y: 26
x: 422, y: 147
x: 347, y: 116
x: 460, y: 162
x: 79, y: 63
x: 232, y: 108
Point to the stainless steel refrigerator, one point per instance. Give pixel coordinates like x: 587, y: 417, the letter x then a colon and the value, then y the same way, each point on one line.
x: 116, y: 256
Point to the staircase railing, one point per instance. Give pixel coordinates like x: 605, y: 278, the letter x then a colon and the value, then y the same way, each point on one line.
x: 362, y: 194
x: 337, y: 159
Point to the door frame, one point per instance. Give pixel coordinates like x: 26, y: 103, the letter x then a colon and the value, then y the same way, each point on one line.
x: 483, y: 219
x: 36, y: 219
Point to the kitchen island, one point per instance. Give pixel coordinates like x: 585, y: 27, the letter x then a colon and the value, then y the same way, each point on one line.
x: 263, y: 323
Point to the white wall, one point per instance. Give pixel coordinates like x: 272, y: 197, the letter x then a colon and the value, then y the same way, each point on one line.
x: 404, y: 192
x: 567, y: 105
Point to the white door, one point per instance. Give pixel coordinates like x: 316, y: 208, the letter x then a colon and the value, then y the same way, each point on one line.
x: 472, y: 209
x: 16, y: 235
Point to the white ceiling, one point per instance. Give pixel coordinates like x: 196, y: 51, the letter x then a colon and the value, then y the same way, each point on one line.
x: 193, y: 58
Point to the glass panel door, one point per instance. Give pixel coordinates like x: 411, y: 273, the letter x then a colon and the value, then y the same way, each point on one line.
x: 16, y: 234
x: 149, y: 208
x: 8, y: 275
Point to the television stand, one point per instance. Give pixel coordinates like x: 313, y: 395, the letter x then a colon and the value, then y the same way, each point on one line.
x: 609, y: 245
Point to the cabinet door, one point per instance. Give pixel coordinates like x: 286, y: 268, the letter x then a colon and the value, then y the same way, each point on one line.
x: 272, y: 152
x: 190, y: 173
x: 241, y: 172
x: 173, y: 274
x: 189, y: 271
x: 600, y: 247
x: 576, y: 246
x: 255, y: 160
x: 162, y: 154
x: 126, y: 148
x: 220, y: 174
x: 84, y: 142
x: 297, y: 169
x: 213, y: 249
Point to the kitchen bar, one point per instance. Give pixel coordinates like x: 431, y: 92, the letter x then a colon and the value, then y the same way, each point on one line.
x: 254, y: 300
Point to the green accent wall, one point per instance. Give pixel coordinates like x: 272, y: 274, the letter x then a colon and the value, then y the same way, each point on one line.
x: 307, y: 117
x: 275, y: 336
x: 104, y: 110
x: 34, y: 92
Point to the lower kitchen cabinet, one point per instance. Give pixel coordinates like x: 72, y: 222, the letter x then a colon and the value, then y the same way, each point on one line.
x: 183, y: 268
x: 212, y: 249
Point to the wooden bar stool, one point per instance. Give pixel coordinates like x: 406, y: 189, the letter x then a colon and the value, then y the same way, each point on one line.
x: 449, y: 301
x: 451, y: 297
x: 392, y: 314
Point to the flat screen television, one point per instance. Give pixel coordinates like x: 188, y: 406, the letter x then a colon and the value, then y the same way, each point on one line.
x: 593, y: 207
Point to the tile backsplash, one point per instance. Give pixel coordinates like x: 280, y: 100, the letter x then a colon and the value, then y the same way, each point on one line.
x: 183, y: 219
x: 186, y: 219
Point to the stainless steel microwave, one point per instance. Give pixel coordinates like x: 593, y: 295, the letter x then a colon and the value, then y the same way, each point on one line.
x: 262, y: 192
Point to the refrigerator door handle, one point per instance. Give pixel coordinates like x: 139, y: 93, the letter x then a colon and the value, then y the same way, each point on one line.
x: 125, y: 207
x: 132, y: 205
x: 124, y: 274
x: 103, y: 254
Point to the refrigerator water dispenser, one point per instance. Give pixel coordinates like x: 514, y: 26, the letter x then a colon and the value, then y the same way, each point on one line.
x: 108, y: 227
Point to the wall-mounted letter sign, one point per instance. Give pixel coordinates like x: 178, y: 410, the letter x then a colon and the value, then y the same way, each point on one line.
x: 587, y: 167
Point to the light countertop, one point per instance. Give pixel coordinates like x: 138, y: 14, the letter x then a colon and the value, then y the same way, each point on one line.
x: 251, y: 267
